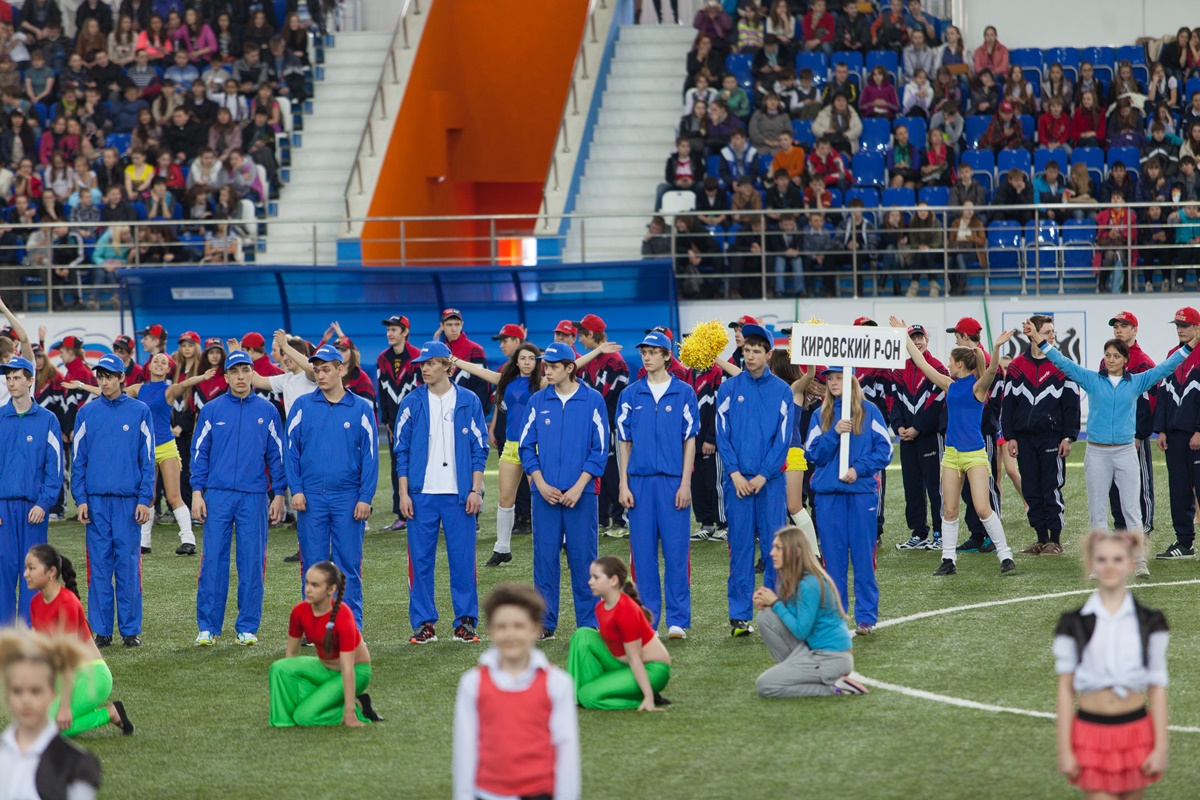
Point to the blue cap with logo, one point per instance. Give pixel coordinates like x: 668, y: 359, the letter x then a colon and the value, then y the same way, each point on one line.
x: 238, y: 357
x: 111, y: 363
x: 432, y: 350
x: 16, y: 363
x: 828, y: 370
x: 656, y: 339
x: 326, y: 353
x: 558, y: 352
x: 758, y: 330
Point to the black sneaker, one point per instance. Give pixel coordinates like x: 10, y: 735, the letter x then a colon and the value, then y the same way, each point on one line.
x: 1007, y: 566
x: 760, y: 567
x: 1175, y: 551
x: 971, y: 545
x: 124, y: 724
x: 547, y: 635
x: 988, y: 545
x: 498, y: 558
x: 186, y: 549
x: 913, y: 543
x: 466, y: 633
x: 368, y: 710
x: 293, y: 559
x: 740, y: 627
x: 145, y: 551
x: 659, y: 700
x: 947, y: 568
x: 522, y: 526
x: 102, y: 641
x: 131, y: 641
x: 423, y: 635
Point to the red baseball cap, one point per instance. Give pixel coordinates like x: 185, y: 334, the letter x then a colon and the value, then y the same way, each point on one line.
x: 510, y: 331
x: 157, y: 331
x: 915, y: 330
x: 189, y: 336
x: 744, y: 319
x: 397, y: 319
x: 213, y: 341
x: 254, y: 340
x: 967, y: 326
x: 591, y: 323
x: 125, y: 342
x: 70, y: 342
x: 1187, y: 316
x: 1125, y: 316
x: 663, y: 330
x: 450, y: 313
x: 566, y: 326
x: 866, y: 322
x: 344, y: 342
x: 1006, y: 107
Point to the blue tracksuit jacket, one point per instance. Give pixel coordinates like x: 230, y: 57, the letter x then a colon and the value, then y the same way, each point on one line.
x: 238, y: 446
x: 121, y: 432
x: 412, y: 439
x: 565, y: 439
x: 332, y: 447
x: 754, y: 425
x: 658, y: 428
x: 870, y: 452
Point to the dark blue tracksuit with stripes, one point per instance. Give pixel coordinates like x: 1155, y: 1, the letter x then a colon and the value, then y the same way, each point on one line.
x: 237, y: 456
x: 30, y: 475
x: 657, y: 432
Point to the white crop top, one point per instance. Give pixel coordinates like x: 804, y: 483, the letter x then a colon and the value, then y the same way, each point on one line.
x: 1113, y: 656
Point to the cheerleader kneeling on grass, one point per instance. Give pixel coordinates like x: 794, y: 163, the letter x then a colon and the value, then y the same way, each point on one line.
x: 1111, y: 659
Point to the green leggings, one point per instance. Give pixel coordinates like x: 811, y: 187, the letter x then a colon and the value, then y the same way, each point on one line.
x: 601, y: 680
x: 89, y: 698
x: 305, y: 692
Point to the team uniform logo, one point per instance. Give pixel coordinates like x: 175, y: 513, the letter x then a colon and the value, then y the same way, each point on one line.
x: 124, y: 427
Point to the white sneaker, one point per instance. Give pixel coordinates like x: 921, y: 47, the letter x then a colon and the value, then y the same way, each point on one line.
x: 676, y: 632
x: 913, y: 288
x: 205, y: 639
x: 246, y: 639
x: 847, y: 685
x: 935, y: 289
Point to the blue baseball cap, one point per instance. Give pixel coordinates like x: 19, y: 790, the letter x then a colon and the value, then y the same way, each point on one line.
x: 111, y: 363
x: 16, y: 363
x: 432, y: 350
x: 656, y: 339
x: 558, y: 352
x: 828, y: 370
x: 326, y: 353
x: 237, y: 357
x: 758, y: 330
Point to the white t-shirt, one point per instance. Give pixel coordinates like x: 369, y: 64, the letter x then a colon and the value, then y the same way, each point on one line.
x: 1114, y: 379
x: 565, y: 397
x: 292, y: 385
x: 440, y: 473
x: 658, y: 389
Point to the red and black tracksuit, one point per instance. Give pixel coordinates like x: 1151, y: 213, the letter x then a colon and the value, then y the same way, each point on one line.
x: 919, y: 404
x: 1040, y: 408
x: 706, y: 471
x: 397, y: 375
x: 1139, y: 362
x: 878, y: 386
x: 608, y: 374
x: 1177, y: 417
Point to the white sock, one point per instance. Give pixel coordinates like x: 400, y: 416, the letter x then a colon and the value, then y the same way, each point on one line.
x: 995, y: 529
x: 147, y: 527
x: 804, y: 522
x: 184, y: 517
x: 505, y: 517
x: 950, y: 539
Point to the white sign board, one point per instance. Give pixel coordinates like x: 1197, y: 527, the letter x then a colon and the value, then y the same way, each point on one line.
x: 848, y: 346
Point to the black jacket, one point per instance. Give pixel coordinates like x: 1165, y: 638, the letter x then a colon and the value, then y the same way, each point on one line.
x: 1006, y: 195
x: 697, y: 169
x: 187, y: 138
x: 65, y: 764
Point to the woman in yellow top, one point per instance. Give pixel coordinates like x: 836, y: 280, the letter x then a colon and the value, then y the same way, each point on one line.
x: 138, y: 175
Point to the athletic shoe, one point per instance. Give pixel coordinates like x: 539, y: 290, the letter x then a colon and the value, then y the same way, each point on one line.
x: 547, y: 635
x: 935, y: 543
x: 423, y: 635
x: 1176, y: 551
x: 131, y: 641
x: 971, y: 545
x: 847, y: 685
x: 205, y: 639
x: 759, y: 566
x: 186, y: 549
x: 102, y: 641
x: 740, y: 627
x: 293, y: 559
x: 676, y: 632
x: 145, y: 551
x: 602, y: 528
x: 125, y: 725
x: 1142, y: 570
x: 704, y: 534
x: 164, y: 519
x: 55, y: 517
x: 988, y: 545
x: 947, y: 568
x: 659, y: 700
x: 465, y: 633
x: 617, y: 532
x: 1052, y: 549
x: 864, y: 630
x: 720, y: 535
x: 498, y: 558
x: 368, y: 710
x: 1035, y: 549
x: 522, y: 526
x: 914, y: 543
x: 398, y: 525
x: 247, y: 639
x: 1007, y: 566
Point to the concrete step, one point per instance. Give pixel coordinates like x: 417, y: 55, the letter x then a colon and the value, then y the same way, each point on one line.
x: 360, y: 40
x: 652, y: 69
x: 628, y: 84
x: 340, y: 125
x: 627, y: 51
x: 610, y: 185
x: 342, y: 57
x: 339, y: 107
x: 638, y: 150
x: 644, y: 169
x: 681, y: 35
x: 659, y: 136
x: 661, y: 118
x: 315, y: 178
x: 330, y: 144
x: 307, y: 206
x: 612, y: 203
x: 641, y: 101
x: 344, y: 92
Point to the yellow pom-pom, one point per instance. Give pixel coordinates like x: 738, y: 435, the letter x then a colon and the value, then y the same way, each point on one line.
x: 700, y: 348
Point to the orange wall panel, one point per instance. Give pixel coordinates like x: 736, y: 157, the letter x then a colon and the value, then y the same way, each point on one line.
x: 477, y: 125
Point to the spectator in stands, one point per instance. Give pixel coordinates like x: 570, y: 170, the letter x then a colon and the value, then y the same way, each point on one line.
x: 694, y: 126
x: 139, y: 11
x: 817, y: 194
x: 91, y: 40
x: 926, y: 241
x: 169, y: 99
x: 1118, y: 180
x: 681, y: 174
x: 782, y: 25
x: 784, y: 247
x: 991, y: 54
x: 1054, y: 126
x: 85, y: 213
x: 183, y: 137
x: 889, y: 31
x: 207, y: 173
x: 1174, y: 54
x: 985, y: 94
x: 736, y: 101
x: 919, y: 55
x: 166, y: 168
x: 789, y: 157
x: 746, y: 251
x: 1124, y: 83
x: 10, y: 78
x: 1153, y: 185
x: 109, y: 171
x: 839, y: 123
x: 116, y: 208
x: 216, y: 74
x: 704, y: 57
x: 749, y: 28
x: 918, y: 96
x: 221, y: 246
x: 1057, y: 84
x: 1088, y: 82
x: 916, y: 20
x: 712, y: 203
x: 66, y: 254
x: 21, y: 215
x: 852, y: 32
x: 1191, y: 141
x: 54, y: 138
x: 819, y: 241
x: 903, y: 160
x: 1154, y: 240
x: 721, y: 125
x: 893, y: 242
x: 1162, y: 114
x: 58, y: 177
x: 227, y: 37
x: 656, y: 243
x: 817, y: 29
x: 1088, y: 125
x: 1188, y: 180
x: 938, y: 166
x: 155, y: 41
x: 1162, y: 149
x: 769, y: 62
x: 945, y: 90
x: 784, y: 195
x: 260, y: 30
x: 251, y: 71
x: 225, y: 135
x: 195, y: 38
x: 1048, y: 191
x: 75, y: 76
x: 49, y: 209
x: 879, y: 95
x: 1014, y: 190
x: 26, y: 183
x: 160, y: 202
x: 138, y: 175
x: 1192, y: 112
x: 122, y: 43
x: 147, y: 135
x: 767, y: 123
x: 840, y: 85
x: 1004, y: 131
x: 203, y: 110
x: 1019, y: 91
x: 827, y: 163
x: 97, y: 10
x: 39, y: 78
x: 1187, y: 232
x: 182, y: 71
x: 739, y: 159
x: 952, y: 125
x: 701, y: 92
x: 953, y: 55
x: 143, y: 74
x: 1125, y: 126
x: 859, y: 243
x: 968, y: 240
x: 804, y: 100
x: 38, y: 16
x: 258, y: 139
x: 55, y: 46
x: 83, y: 181
x: 696, y: 253
x: 285, y: 73
x: 1114, y: 242
x: 1193, y: 51
x: 244, y: 177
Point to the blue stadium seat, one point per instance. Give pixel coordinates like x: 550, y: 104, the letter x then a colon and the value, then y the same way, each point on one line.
x: 850, y: 58
x: 982, y: 161
x: 121, y: 141
x: 42, y: 114
x: 764, y: 168
x: 885, y: 58
x: 1093, y: 157
x: 802, y: 132
x: 876, y: 136
x: 917, y: 129
x: 1135, y: 54
x: 1028, y: 126
x: 739, y: 65
x: 1068, y: 57
x: 1043, y: 157
x: 1103, y: 60
x: 835, y: 197
x: 1029, y: 59
x: 1078, y: 236
x: 1042, y: 244
x: 935, y: 196
x: 902, y: 196
x: 1014, y: 159
x: 1190, y: 88
x: 1078, y: 230
x: 712, y: 166
x: 816, y: 62
x: 869, y: 169
x: 1005, y: 243
x: 974, y: 128
x: 1131, y: 157
x: 868, y: 195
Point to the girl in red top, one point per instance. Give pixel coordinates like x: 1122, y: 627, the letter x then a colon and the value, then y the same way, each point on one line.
x: 322, y: 689
x: 82, y: 704
x: 624, y: 664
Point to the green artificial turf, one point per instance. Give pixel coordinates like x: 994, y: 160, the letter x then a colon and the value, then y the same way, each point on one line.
x: 201, y: 714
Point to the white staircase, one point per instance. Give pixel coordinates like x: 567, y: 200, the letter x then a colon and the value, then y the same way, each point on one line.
x: 634, y: 135
x: 322, y: 162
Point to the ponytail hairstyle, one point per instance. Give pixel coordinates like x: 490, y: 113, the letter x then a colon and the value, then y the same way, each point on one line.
x: 799, y: 560
x: 59, y: 653
x: 614, y: 567
x: 52, y: 559
x: 337, y: 579
x: 851, y: 386
x: 969, y: 357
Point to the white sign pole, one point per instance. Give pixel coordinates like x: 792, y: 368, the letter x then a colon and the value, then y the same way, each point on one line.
x: 844, y: 453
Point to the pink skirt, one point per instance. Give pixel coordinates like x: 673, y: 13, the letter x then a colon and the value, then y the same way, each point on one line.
x: 1110, y: 751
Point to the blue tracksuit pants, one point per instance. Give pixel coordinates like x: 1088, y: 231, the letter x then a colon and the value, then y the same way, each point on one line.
x: 756, y: 516
x: 430, y: 510
x: 579, y: 526
x: 654, y: 520
x: 16, y: 537
x: 329, y: 532
x: 114, y: 551
x: 247, y: 513
x: 846, y: 527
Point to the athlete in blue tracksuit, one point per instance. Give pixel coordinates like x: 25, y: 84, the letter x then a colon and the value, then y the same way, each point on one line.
x: 113, y: 492
x: 31, y: 477
x: 754, y: 429
x: 332, y: 465
x: 847, y: 505
x: 564, y: 449
x: 237, y: 456
x: 657, y: 421
x: 441, y: 451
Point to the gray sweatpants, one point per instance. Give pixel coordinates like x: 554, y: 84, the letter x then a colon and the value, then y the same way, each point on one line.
x: 1104, y: 466
x: 800, y: 672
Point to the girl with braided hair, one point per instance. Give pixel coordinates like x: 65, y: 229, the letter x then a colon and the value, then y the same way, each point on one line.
x: 322, y: 689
